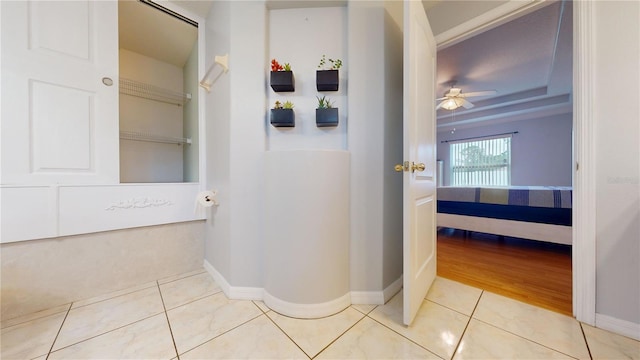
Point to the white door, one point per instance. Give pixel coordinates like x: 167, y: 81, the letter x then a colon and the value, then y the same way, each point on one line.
x: 59, y: 118
x: 419, y: 180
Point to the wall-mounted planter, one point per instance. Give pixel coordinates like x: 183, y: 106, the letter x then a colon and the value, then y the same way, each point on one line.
x: 327, y: 117
x: 327, y: 80
x: 282, y: 81
x: 283, y: 118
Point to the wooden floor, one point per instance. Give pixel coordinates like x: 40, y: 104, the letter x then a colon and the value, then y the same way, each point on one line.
x: 534, y: 272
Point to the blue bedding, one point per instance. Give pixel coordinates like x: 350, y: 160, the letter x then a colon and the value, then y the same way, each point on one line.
x: 547, y: 205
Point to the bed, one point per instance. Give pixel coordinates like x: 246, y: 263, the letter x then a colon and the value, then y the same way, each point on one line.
x: 530, y: 212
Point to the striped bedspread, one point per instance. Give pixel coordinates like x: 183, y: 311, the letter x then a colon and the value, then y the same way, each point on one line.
x: 536, y: 196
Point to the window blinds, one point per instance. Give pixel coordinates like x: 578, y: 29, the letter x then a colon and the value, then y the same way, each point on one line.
x: 481, y: 162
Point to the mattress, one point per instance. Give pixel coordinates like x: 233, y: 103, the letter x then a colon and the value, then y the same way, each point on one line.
x: 540, y: 204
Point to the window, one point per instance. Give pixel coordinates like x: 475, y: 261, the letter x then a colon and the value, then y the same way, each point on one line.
x: 481, y: 162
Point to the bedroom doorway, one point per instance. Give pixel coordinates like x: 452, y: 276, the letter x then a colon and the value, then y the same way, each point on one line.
x: 521, y: 252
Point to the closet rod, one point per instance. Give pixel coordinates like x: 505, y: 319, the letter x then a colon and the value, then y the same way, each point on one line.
x: 139, y: 136
x: 479, y: 137
x: 169, y: 12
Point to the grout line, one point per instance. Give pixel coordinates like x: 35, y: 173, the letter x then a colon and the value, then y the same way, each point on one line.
x: 194, y: 299
x: 467, y: 326
x: 339, y: 336
x: 404, y: 336
x: 222, y: 333
x: 183, y: 277
x: 26, y: 317
x: 58, y: 333
x: 526, y: 339
x: 129, y: 291
x: 585, y: 339
x: 168, y: 322
x: 108, y: 331
x: 287, y: 335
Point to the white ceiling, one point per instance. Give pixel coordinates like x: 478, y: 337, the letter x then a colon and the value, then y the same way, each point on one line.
x: 527, y: 60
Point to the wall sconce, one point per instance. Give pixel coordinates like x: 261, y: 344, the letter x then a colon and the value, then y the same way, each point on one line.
x: 223, y: 61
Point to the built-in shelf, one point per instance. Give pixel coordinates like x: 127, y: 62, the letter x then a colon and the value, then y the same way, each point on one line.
x: 151, y: 92
x: 140, y: 136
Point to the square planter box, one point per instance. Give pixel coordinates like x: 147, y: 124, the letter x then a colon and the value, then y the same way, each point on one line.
x: 283, y: 118
x: 327, y: 117
x: 327, y: 80
x: 282, y: 81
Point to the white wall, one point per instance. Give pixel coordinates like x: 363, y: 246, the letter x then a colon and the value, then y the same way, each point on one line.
x: 236, y: 141
x: 375, y: 142
x: 541, y: 152
x: 238, y: 134
x: 300, y: 37
x: 617, y: 128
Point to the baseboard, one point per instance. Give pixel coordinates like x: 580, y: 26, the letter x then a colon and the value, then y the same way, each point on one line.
x: 233, y: 292
x: 304, y: 310
x: 376, y: 297
x: 392, y: 289
x: 367, y: 297
x: 622, y: 327
x: 307, y: 311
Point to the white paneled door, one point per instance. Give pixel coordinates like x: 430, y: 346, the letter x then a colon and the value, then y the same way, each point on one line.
x: 419, y: 182
x: 59, y: 92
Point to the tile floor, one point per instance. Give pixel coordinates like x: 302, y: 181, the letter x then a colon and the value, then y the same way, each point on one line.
x: 188, y: 317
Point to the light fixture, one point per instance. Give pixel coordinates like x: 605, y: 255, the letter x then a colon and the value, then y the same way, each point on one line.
x: 452, y: 103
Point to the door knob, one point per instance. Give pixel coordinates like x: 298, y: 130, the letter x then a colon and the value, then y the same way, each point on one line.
x: 402, y: 167
x: 409, y: 166
x: 417, y: 167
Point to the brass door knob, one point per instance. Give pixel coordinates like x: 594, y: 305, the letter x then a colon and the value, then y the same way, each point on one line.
x: 417, y: 167
x: 398, y: 167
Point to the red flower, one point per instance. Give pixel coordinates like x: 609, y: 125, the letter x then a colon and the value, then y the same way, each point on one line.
x: 275, y: 66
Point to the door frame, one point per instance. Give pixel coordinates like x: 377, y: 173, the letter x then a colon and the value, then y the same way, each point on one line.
x: 584, y: 175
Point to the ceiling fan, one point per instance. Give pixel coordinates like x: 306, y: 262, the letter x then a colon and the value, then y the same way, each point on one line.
x: 455, y: 98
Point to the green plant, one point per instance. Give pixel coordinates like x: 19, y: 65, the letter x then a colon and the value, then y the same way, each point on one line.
x: 287, y: 105
x: 335, y: 64
x: 324, y: 103
x: 287, y: 67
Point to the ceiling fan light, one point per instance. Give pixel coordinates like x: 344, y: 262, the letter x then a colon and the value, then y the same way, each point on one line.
x: 452, y: 104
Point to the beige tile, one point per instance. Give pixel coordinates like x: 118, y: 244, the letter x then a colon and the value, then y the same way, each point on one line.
x: 370, y: 340
x: 182, y: 291
x: 98, y: 318
x: 180, y: 276
x: 111, y: 295
x: 556, y: 331
x: 146, y: 339
x: 200, y: 321
x: 364, y: 308
x: 607, y: 345
x: 483, y: 341
x: 69, y: 268
x: 454, y: 295
x: 435, y: 327
x: 30, y: 339
x: 313, y: 335
x: 257, y: 339
x: 34, y: 316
